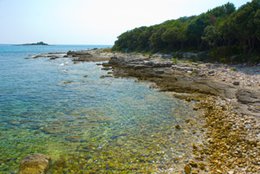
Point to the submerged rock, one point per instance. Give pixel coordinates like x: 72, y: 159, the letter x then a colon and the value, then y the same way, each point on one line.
x: 178, y: 127
x: 187, y: 169
x: 106, y: 76
x: 51, y: 56
x: 34, y: 164
x: 74, y: 139
x: 67, y: 82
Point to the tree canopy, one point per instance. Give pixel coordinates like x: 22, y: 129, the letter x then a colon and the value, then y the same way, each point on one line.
x: 222, y: 30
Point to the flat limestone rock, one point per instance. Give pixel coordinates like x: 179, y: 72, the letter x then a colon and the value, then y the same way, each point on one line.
x: 249, y: 101
x: 34, y: 164
x: 247, y: 96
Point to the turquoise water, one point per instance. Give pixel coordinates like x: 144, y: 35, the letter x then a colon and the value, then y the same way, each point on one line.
x: 87, y: 124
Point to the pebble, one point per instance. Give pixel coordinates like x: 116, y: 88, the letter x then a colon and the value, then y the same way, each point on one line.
x: 193, y: 164
x: 236, y: 83
x: 211, y: 72
x: 178, y: 127
x: 187, y: 169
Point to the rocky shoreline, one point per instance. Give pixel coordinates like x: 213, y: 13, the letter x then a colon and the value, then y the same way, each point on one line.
x: 227, y: 96
x: 229, y: 99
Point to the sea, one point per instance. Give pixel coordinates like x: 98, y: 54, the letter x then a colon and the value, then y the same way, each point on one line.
x: 85, y: 123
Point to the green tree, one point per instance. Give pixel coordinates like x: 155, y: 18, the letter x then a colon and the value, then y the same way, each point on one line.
x: 221, y: 29
x: 211, y: 36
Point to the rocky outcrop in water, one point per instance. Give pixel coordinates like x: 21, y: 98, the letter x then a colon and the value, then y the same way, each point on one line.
x: 34, y: 164
x: 79, y: 56
x: 94, y: 55
x: 168, y: 76
x: 51, y: 56
x: 191, y: 77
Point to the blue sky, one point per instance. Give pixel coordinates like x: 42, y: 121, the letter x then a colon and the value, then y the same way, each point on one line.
x: 89, y: 21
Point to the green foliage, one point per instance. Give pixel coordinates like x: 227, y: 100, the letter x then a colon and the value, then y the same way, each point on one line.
x: 233, y: 69
x: 223, y: 31
x: 211, y: 35
x: 175, y: 61
x: 225, y: 54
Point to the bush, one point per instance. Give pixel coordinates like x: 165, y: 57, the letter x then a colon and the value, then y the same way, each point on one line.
x: 175, y: 61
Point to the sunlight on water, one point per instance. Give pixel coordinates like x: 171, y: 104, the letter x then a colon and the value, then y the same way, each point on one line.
x: 84, y: 122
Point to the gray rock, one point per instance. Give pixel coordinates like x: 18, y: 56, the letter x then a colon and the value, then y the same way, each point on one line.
x: 49, y: 55
x: 181, y: 68
x: 164, y: 56
x: 211, y: 72
x: 82, y: 58
x: 105, y: 64
x: 246, y: 96
x: 106, y: 68
x: 114, y: 61
x: 78, y: 53
x: 35, y: 164
x: 159, y: 72
x: 138, y: 66
x: 236, y: 83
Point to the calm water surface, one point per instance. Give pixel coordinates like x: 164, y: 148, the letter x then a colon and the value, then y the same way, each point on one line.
x: 87, y: 124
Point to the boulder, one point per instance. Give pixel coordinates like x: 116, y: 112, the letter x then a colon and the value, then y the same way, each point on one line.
x: 34, y: 164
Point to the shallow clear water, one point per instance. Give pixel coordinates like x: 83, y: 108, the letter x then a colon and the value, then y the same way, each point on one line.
x: 84, y: 122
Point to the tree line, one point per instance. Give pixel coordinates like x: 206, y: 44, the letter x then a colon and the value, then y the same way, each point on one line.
x: 222, y: 32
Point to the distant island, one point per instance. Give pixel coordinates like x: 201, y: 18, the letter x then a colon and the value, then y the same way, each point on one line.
x: 37, y: 43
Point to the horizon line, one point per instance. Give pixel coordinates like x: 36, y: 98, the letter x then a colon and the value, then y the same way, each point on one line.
x: 49, y: 44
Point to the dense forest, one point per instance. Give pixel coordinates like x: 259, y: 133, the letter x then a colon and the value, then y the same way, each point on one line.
x: 224, y: 33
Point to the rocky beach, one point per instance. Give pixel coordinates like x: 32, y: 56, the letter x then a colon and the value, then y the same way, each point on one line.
x: 111, y: 87
x: 227, y: 96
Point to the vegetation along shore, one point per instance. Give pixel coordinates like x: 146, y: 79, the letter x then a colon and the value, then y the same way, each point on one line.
x: 194, y: 59
x: 221, y: 34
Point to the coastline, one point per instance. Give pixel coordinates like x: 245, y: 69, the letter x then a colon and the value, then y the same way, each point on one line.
x: 230, y: 107
x: 228, y: 98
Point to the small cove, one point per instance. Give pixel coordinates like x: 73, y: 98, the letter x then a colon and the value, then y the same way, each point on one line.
x: 84, y: 122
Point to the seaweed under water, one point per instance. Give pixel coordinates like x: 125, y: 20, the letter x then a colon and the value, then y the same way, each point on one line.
x: 85, y: 123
